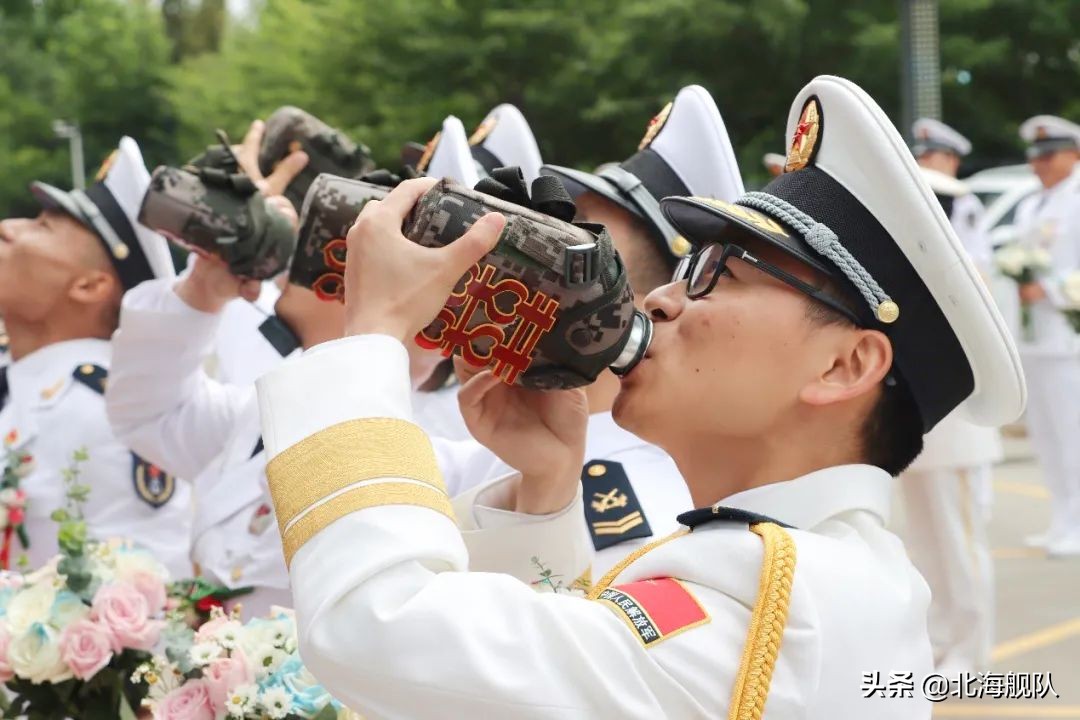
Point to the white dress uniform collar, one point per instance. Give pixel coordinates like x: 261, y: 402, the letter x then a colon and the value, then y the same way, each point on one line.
x: 39, y: 377
x: 809, y: 500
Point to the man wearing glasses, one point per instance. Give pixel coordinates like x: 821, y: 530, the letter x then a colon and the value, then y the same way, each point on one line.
x: 820, y: 329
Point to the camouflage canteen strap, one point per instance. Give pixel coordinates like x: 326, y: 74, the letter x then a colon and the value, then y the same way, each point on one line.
x: 329, y: 150
x: 550, y: 306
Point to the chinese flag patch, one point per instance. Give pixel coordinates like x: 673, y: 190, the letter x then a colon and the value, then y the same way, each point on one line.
x: 655, y: 609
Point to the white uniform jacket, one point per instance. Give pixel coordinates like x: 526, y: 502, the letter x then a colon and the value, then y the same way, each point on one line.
x: 162, y: 401
x: 1050, y: 219
x: 393, y: 625
x: 54, y: 407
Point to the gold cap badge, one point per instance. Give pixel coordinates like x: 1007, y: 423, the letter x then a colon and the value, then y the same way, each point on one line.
x: 805, y: 140
x: 482, y: 130
x: 654, y: 127
x: 429, y: 150
x: 103, y: 171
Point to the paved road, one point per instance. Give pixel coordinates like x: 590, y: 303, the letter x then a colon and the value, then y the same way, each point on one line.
x: 1038, y: 601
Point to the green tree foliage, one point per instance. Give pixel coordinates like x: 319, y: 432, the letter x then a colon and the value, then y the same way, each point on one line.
x: 101, y: 63
x: 587, y: 73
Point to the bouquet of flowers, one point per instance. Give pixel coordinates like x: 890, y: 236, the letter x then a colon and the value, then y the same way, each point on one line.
x: 72, y: 632
x: 1022, y: 264
x: 17, y: 465
x: 227, y: 670
x: 1071, y: 290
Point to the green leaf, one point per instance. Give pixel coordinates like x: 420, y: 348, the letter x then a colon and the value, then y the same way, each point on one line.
x: 59, y: 515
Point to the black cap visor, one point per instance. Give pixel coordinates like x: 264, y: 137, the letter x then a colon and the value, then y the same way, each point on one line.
x: 704, y: 220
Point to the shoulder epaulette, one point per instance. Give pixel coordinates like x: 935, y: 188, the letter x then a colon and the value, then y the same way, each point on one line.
x: 92, y: 376
x: 719, y: 513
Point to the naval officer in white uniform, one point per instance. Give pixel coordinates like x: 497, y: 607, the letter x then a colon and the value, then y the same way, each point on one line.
x: 787, y: 377
x: 947, y: 491
x: 1050, y: 220
x: 62, y: 275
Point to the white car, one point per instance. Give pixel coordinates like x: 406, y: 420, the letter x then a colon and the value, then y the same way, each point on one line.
x: 1001, y: 189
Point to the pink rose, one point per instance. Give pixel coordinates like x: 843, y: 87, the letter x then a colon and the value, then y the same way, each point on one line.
x: 123, y: 611
x: 190, y: 701
x: 86, y: 647
x: 152, y: 588
x: 206, y: 631
x: 6, y: 673
x: 223, y: 675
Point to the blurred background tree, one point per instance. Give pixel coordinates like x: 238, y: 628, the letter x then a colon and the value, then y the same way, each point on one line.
x: 588, y: 74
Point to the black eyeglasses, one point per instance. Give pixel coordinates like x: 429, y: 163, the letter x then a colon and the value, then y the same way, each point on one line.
x: 703, y: 269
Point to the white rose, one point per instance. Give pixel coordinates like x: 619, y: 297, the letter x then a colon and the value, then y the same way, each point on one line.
x: 35, y: 656
x: 30, y: 605
x: 68, y: 609
x: 129, y: 563
x: 1071, y: 288
x: 8, y: 496
x: 1040, y: 258
x: 1011, y: 260
x: 46, y: 574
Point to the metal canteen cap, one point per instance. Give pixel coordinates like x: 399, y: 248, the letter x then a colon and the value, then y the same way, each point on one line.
x: 637, y: 344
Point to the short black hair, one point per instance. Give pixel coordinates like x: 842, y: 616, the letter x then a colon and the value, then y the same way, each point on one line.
x: 892, y: 435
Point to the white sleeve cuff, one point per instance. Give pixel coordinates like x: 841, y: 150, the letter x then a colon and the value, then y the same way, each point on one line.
x: 362, y: 376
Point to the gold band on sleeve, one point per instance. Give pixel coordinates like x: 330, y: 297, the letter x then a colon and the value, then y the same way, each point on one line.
x: 359, y: 498
x: 348, y: 453
x: 767, y: 623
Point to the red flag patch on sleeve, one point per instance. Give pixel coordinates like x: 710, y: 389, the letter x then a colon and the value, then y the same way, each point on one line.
x: 655, y: 609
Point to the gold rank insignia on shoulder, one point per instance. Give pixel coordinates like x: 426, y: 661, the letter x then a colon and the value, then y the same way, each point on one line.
x: 654, y: 127
x: 804, y: 143
x: 92, y: 376
x: 612, y: 510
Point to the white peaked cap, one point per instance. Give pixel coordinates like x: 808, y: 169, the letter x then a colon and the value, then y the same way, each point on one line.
x: 686, y: 151
x: 504, y: 139
x: 110, y: 207
x: 931, y: 134
x: 450, y: 155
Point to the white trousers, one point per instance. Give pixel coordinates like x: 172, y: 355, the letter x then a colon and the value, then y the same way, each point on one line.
x: 1053, y: 420
x: 946, y: 536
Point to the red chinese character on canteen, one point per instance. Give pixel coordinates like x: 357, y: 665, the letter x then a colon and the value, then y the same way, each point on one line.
x: 477, y: 320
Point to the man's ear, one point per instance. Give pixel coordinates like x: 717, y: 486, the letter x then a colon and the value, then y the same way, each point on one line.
x: 861, y: 361
x: 91, y: 287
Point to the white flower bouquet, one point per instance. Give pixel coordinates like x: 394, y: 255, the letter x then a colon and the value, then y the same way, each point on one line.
x: 1022, y: 264
x: 227, y: 670
x: 73, y: 631
x: 1071, y: 290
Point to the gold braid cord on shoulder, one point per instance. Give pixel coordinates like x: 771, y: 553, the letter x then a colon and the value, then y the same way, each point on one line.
x: 767, y: 624
x: 610, y: 575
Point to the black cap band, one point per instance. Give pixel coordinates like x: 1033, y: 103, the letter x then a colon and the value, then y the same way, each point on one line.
x: 926, y: 351
x: 486, y: 158
x: 113, y: 228
x: 1046, y: 146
